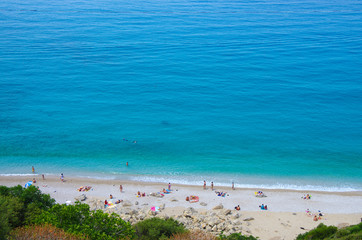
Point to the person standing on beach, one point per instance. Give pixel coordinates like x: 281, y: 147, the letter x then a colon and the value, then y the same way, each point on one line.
x: 120, y: 188
x: 62, y: 177
x: 212, y: 186
x: 43, y: 176
x: 232, y: 186
x: 204, y: 185
x: 169, y: 186
x: 33, y: 169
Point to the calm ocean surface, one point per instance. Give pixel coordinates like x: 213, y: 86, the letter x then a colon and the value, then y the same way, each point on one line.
x: 263, y: 93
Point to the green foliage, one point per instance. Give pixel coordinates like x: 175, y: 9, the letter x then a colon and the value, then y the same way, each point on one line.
x: 156, y: 228
x: 321, y: 232
x: 32, y: 198
x: 78, y: 219
x: 10, y: 214
x: 19, y: 206
x: 194, y: 235
x: 236, y: 236
x: 349, y: 233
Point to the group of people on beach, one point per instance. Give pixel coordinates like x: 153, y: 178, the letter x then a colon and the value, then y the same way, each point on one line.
x: 316, y: 217
x: 212, y: 186
x: 43, y: 176
x: 307, y: 197
x: 139, y: 194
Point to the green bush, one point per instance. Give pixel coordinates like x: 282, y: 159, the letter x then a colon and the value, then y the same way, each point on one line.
x: 319, y: 233
x: 32, y: 199
x: 236, y: 236
x: 10, y: 214
x: 353, y: 232
x: 78, y: 219
x: 156, y: 228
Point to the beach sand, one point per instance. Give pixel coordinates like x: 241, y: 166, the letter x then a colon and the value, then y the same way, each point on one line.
x: 285, y: 218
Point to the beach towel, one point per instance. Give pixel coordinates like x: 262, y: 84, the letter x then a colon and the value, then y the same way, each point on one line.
x: 194, y: 199
x: 155, y: 209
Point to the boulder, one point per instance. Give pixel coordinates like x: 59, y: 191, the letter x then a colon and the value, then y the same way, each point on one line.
x: 127, y: 204
x: 213, y: 222
x: 126, y: 211
x: 220, y: 206
x: 159, y: 195
x: 248, y: 219
x: 226, y: 212
x: 136, y: 203
x: 203, y: 204
x: 80, y: 198
x: 236, y: 223
x: 173, y: 200
x: 189, y: 212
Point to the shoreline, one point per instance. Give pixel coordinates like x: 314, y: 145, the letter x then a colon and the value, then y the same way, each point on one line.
x: 161, y: 179
x: 284, y: 219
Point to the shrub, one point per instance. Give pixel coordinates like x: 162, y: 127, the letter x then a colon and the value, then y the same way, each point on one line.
x: 45, y: 231
x: 33, y: 201
x: 156, y: 228
x: 78, y: 219
x: 194, y: 235
x: 236, y: 236
x: 349, y: 233
x: 321, y: 232
x: 10, y: 214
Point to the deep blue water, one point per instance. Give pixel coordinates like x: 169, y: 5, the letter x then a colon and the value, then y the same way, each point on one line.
x: 263, y: 93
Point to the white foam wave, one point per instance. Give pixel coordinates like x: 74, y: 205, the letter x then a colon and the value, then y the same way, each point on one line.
x: 18, y: 174
x: 282, y: 186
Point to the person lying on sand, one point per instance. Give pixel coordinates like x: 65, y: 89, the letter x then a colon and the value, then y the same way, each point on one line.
x: 263, y: 207
x: 84, y: 189
x: 118, y: 201
x: 222, y: 194
x: 139, y: 194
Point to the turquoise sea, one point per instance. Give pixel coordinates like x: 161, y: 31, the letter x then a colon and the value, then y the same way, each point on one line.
x: 264, y: 93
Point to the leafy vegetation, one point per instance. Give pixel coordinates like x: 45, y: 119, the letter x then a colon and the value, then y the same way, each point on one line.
x: 78, y: 219
x: 10, y: 214
x: 19, y: 206
x: 322, y: 232
x: 156, y: 228
x: 236, y: 236
x: 194, y: 235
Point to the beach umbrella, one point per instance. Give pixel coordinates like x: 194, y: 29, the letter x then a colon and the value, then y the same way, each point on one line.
x: 28, y: 184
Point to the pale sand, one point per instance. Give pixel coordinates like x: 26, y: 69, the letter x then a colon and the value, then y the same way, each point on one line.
x: 283, y: 220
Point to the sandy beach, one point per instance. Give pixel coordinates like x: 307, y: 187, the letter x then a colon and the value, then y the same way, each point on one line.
x: 285, y: 218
